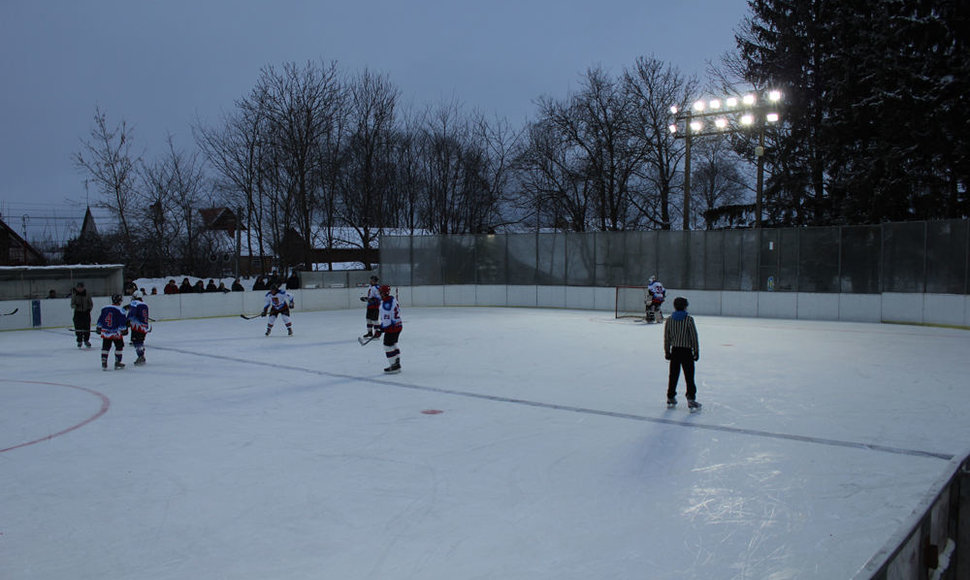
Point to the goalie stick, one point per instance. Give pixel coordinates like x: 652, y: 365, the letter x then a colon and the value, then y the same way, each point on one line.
x: 364, y: 341
x: 250, y: 316
x: 14, y: 311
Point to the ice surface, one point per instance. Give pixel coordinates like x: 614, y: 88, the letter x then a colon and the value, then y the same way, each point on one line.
x: 234, y: 455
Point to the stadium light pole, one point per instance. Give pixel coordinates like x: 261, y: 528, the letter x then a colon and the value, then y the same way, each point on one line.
x: 722, y: 116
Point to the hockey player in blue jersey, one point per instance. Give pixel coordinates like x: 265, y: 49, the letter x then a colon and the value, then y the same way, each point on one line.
x: 278, y: 303
x: 112, y: 326
x: 139, y: 324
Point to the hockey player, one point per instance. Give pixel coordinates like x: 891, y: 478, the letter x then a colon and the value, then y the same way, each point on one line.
x: 112, y: 326
x: 138, y: 322
x: 390, y: 326
x: 656, y: 295
x: 278, y: 303
x: 373, y: 300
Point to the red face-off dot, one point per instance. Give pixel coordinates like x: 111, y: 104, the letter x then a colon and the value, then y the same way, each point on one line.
x: 432, y: 411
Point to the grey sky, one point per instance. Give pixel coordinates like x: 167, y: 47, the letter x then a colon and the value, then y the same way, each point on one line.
x: 159, y: 65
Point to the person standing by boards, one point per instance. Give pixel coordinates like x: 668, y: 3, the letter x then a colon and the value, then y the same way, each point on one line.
x: 82, y: 305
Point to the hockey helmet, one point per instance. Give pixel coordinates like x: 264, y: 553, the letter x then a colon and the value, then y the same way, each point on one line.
x: 116, y: 298
x: 652, y: 279
x: 385, y: 290
x: 373, y: 279
x: 137, y: 295
x: 274, y: 288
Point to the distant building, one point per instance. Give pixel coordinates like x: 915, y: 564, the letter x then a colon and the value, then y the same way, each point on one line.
x: 15, y: 251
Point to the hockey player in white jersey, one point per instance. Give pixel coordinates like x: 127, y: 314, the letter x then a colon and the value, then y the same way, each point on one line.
x: 390, y: 327
x: 278, y: 303
x: 656, y: 294
x: 373, y: 300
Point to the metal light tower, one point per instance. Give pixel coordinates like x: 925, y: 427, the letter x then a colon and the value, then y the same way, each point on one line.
x: 721, y: 116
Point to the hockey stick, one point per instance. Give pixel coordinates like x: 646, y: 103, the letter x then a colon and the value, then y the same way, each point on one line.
x: 364, y: 341
x: 250, y: 316
x: 14, y: 311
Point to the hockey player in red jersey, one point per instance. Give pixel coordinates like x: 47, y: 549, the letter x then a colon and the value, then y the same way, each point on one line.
x: 390, y: 326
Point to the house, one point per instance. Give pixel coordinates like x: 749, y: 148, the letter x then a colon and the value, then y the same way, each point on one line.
x: 15, y: 251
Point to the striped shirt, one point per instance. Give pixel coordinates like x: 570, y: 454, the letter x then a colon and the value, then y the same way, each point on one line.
x: 681, y: 332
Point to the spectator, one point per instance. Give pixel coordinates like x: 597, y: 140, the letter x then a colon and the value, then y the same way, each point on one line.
x: 237, y: 286
x: 171, y: 287
x: 293, y: 282
x: 82, y: 304
x: 52, y: 293
x: 199, y: 287
x: 130, y: 287
x: 222, y: 287
x: 185, y: 287
x: 211, y: 286
x: 260, y: 283
x: 155, y: 291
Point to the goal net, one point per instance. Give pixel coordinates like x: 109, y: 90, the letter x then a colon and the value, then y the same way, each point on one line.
x: 631, y: 301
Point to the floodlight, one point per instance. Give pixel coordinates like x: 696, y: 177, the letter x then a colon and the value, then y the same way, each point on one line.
x: 715, y: 104
x: 672, y: 127
x: 747, y: 119
x: 699, y: 106
x: 772, y: 117
x: 673, y: 109
x: 748, y: 100
x: 774, y: 96
x: 720, y: 122
x: 732, y: 102
x: 696, y: 126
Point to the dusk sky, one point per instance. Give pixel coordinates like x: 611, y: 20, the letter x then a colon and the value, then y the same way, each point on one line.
x: 159, y: 66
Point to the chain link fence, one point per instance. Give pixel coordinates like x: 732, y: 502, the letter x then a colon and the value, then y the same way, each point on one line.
x: 919, y: 257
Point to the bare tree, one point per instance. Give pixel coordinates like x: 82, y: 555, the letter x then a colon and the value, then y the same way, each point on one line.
x: 108, y: 161
x: 653, y: 88
x: 366, y: 193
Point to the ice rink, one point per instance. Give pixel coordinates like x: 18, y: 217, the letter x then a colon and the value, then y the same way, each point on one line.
x: 516, y: 444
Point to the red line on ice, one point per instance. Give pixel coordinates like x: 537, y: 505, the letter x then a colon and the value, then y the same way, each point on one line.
x: 105, y: 404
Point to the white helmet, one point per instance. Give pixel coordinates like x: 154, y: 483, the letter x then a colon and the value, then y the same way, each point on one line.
x: 652, y: 279
x: 137, y: 295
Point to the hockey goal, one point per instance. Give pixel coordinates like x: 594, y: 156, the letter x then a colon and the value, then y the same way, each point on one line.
x: 631, y: 301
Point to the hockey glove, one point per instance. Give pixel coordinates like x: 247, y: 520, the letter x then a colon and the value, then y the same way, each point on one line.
x: 377, y: 333
x: 667, y: 355
x: 363, y: 299
x: 263, y: 313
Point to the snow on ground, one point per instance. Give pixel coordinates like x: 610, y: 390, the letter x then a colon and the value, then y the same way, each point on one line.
x: 235, y: 455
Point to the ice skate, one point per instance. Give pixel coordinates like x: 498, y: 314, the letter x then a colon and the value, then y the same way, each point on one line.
x: 289, y: 332
x: 268, y: 330
x: 104, y: 366
x: 139, y: 361
x: 119, y: 365
x: 393, y: 369
x: 694, y: 406
x: 87, y: 344
x: 671, y: 402
x: 369, y: 334
x: 79, y: 345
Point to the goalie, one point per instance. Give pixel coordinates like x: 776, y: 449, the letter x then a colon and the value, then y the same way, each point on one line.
x: 656, y: 293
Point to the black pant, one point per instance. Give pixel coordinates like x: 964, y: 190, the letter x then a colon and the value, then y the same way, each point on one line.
x: 681, y: 357
x: 82, y: 325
